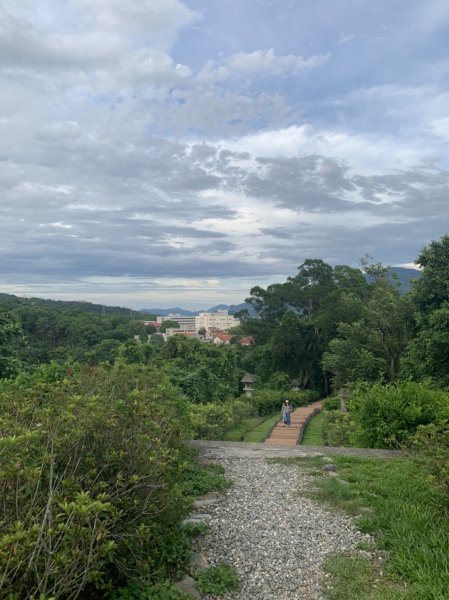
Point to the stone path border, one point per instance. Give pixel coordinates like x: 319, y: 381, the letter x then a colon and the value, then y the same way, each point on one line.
x: 248, y: 450
x: 290, y: 436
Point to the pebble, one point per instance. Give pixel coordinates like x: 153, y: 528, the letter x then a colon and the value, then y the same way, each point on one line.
x: 276, y: 538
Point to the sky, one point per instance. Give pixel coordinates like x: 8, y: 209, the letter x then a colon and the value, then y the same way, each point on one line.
x: 158, y: 153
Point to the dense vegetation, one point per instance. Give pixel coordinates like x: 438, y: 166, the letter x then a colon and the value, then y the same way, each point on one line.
x: 95, y: 408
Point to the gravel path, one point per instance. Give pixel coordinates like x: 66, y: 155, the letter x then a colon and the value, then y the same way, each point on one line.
x: 275, y: 538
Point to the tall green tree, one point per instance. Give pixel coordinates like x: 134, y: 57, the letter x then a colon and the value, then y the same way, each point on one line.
x: 428, y: 354
x: 431, y: 290
x: 11, y: 340
x: 370, y: 348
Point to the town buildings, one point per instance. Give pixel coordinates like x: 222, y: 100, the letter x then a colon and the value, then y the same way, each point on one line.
x: 206, y: 321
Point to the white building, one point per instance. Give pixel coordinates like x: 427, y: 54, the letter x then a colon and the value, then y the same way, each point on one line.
x: 185, y: 323
x: 218, y: 320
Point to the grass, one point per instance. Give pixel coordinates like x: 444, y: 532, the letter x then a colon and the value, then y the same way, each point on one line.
x: 259, y: 433
x: 313, y: 435
x: 198, y: 480
x: 252, y: 429
x: 218, y: 579
x: 360, y: 579
x: 238, y: 433
x: 408, y: 520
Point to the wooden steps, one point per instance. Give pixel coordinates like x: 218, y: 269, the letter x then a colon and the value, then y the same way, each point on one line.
x: 290, y: 436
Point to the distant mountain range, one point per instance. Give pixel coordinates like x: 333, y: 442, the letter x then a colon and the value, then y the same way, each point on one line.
x: 232, y: 309
x: 405, y: 276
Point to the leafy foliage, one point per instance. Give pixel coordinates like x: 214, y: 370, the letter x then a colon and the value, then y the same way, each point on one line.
x: 430, y: 448
x: 388, y: 415
x: 266, y: 401
x: 211, y: 421
x: 337, y: 428
x: 218, y: 580
x: 160, y: 591
x: 11, y: 341
x: 90, y: 481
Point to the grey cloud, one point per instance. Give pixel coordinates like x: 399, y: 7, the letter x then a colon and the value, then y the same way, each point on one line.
x: 313, y: 183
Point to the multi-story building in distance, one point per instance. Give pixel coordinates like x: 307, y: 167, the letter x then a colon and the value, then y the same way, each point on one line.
x: 219, y: 320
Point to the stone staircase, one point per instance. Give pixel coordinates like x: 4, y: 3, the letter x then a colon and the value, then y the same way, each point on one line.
x: 290, y: 436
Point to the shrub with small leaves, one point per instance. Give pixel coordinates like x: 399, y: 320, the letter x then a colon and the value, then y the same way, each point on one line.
x: 218, y: 580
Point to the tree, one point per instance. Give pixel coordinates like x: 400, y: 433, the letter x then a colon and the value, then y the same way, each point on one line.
x: 428, y: 354
x: 169, y: 324
x: 431, y: 290
x: 370, y: 348
x: 11, y: 338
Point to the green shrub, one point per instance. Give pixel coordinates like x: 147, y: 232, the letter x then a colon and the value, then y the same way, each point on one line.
x: 90, y: 481
x: 201, y: 480
x: 430, y: 448
x: 388, y: 415
x: 160, y: 591
x: 331, y: 403
x: 218, y: 580
x: 280, y: 381
x: 211, y: 421
x: 266, y: 401
x: 306, y: 397
x: 337, y: 428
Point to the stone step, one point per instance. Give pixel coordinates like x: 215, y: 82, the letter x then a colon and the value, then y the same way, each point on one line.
x: 281, y: 442
x: 300, y: 417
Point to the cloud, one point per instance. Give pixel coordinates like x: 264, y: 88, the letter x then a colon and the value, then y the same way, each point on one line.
x: 367, y: 153
x: 266, y: 60
x: 145, y: 142
x: 260, y: 61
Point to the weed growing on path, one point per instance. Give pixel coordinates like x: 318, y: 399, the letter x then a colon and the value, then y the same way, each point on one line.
x: 218, y: 580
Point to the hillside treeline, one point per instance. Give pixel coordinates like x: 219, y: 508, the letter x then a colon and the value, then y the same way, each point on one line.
x: 95, y: 477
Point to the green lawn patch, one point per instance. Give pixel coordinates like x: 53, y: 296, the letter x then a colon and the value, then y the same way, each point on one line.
x: 357, y: 578
x: 408, y: 519
x: 252, y: 429
x: 313, y: 435
x: 238, y: 433
x: 259, y: 433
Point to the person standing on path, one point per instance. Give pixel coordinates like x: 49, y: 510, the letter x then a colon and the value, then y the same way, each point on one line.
x: 286, y: 410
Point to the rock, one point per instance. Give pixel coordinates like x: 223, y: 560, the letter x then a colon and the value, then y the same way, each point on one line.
x: 199, y: 561
x: 198, y: 504
x: 187, y: 586
x: 196, y: 520
x: 330, y: 467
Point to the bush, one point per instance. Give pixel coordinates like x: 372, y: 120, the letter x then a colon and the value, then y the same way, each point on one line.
x: 90, y: 482
x: 160, y: 591
x: 201, y: 480
x: 280, y: 381
x: 331, y: 403
x: 430, y: 448
x: 388, y: 415
x: 338, y: 428
x: 306, y: 397
x: 218, y: 580
x: 211, y: 421
x: 267, y: 401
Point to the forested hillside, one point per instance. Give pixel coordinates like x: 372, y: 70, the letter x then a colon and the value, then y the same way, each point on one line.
x: 94, y: 415
x: 59, y: 330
